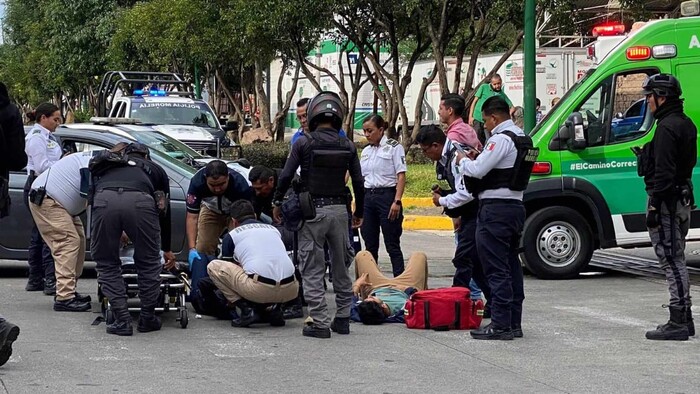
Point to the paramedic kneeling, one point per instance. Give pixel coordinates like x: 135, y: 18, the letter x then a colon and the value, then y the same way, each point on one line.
x: 260, y: 270
x: 500, y: 218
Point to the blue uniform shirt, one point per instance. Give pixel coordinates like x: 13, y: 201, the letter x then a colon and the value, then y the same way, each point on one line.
x: 199, y: 193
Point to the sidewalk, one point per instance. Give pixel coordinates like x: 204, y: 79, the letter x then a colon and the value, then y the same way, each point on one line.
x: 421, y: 214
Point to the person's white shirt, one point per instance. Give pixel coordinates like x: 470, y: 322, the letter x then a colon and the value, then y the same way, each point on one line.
x: 258, y: 247
x: 42, y: 149
x: 382, y: 163
x: 62, y: 182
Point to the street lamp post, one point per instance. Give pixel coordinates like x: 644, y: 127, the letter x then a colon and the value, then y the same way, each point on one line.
x: 529, y: 80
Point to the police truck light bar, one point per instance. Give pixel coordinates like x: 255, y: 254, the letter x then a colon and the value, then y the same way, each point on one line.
x: 609, y: 29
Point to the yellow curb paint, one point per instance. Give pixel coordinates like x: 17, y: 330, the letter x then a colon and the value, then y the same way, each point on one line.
x: 416, y: 222
x: 420, y: 202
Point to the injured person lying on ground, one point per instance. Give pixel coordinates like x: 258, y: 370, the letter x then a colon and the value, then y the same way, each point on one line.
x: 380, y: 299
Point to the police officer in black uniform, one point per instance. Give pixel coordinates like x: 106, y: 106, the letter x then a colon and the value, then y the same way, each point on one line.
x: 458, y: 203
x: 501, y: 217
x: 131, y: 198
x: 666, y: 163
x: 324, y: 157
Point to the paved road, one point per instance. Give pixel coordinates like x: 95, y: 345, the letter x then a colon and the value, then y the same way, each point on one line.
x: 582, y: 335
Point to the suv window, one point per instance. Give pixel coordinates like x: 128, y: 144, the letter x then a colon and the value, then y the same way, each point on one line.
x: 616, y: 111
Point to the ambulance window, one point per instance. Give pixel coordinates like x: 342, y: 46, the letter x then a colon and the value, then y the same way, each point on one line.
x: 596, y: 113
x: 632, y: 116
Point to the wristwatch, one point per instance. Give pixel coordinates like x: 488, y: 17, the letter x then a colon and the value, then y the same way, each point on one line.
x: 397, y: 202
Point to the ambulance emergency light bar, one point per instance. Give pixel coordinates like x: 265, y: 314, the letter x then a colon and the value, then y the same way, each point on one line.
x: 609, y: 29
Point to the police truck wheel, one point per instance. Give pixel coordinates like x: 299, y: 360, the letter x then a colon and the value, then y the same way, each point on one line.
x: 558, y: 243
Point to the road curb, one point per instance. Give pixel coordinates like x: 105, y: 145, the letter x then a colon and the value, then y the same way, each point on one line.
x: 419, y: 202
x: 418, y: 222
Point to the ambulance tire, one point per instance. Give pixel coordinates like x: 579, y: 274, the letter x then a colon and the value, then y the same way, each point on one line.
x: 557, y: 243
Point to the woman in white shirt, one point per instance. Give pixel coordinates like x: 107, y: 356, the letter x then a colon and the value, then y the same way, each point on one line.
x: 383, y: 164
x: 43, y: 150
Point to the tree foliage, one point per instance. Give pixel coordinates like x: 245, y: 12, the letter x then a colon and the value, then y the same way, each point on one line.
x: 59, y: 49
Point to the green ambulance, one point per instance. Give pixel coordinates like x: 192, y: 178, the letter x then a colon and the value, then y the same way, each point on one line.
x: 585, y: 193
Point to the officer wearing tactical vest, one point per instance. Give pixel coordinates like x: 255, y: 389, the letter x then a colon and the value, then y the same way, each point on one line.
x: 458, y: 203
x: 130, y: 196
x: 324, y: 157
x: 499, y: 174
x: 666, y: 163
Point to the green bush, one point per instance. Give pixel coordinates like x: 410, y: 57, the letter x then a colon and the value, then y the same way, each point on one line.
x: 269, y: 154
x: 415, y: 155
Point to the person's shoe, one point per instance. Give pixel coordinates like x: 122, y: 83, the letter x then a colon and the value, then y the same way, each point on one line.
x: 689, y: 318
x: 50, y: 287
x: 517, y: 331
x: 247, y: 316
x: 148, y: 324
x: 341, y: 325
x: 275, y: 316
x: 72, y: 305
x: 293, y: 312
x: 8, y: 334
x: 82, y: 298
x: 121, y: 328
x: 489, y: 332
x: 316, y: 332
x: 676, y: 329
x: 34, y: 285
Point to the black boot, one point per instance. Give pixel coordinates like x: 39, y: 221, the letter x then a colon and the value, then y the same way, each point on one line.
x: 8, y: 334
x: 148, y: 323
x: 50, y: 286
x: 34, y: 284
x: 72, y: 305
x: 247, y: 315
x: 341, y: 325
x: 121, y: 328
x: 275, y: 316
x: 689, y: 318
x: 293, y: 312
x: 676, y: 329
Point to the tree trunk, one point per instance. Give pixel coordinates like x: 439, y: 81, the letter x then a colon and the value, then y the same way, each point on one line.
x: 459, y: 53
x: 408, y: 140
x: 499, y: 63
x: 262, y: 99
x: 283, y: 104
x: 232, y: 100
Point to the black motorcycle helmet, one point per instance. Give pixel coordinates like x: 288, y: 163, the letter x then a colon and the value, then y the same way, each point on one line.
x: 138, y: 149
x: 324, y: 107
x: 662, y: 85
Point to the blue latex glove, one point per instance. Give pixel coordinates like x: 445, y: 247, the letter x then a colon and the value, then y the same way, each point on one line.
x: 194, y: 255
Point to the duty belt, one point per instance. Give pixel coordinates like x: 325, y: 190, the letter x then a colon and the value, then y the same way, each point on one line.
x: 380, y: 189
x: 323, y: 201
x: 271, y: 282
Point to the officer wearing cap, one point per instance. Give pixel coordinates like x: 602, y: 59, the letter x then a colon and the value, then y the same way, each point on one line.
x: 383, y: 164
x: 324, y: 157
x: 500, y: 219
x: 666, y: 163
x: 130, y: 196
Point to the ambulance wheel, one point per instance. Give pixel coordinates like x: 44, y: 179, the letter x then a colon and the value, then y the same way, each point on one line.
x: 183, y: 318
x: 557, y: 243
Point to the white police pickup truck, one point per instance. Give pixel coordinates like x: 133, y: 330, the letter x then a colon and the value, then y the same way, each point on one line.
x: 165, y: 102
